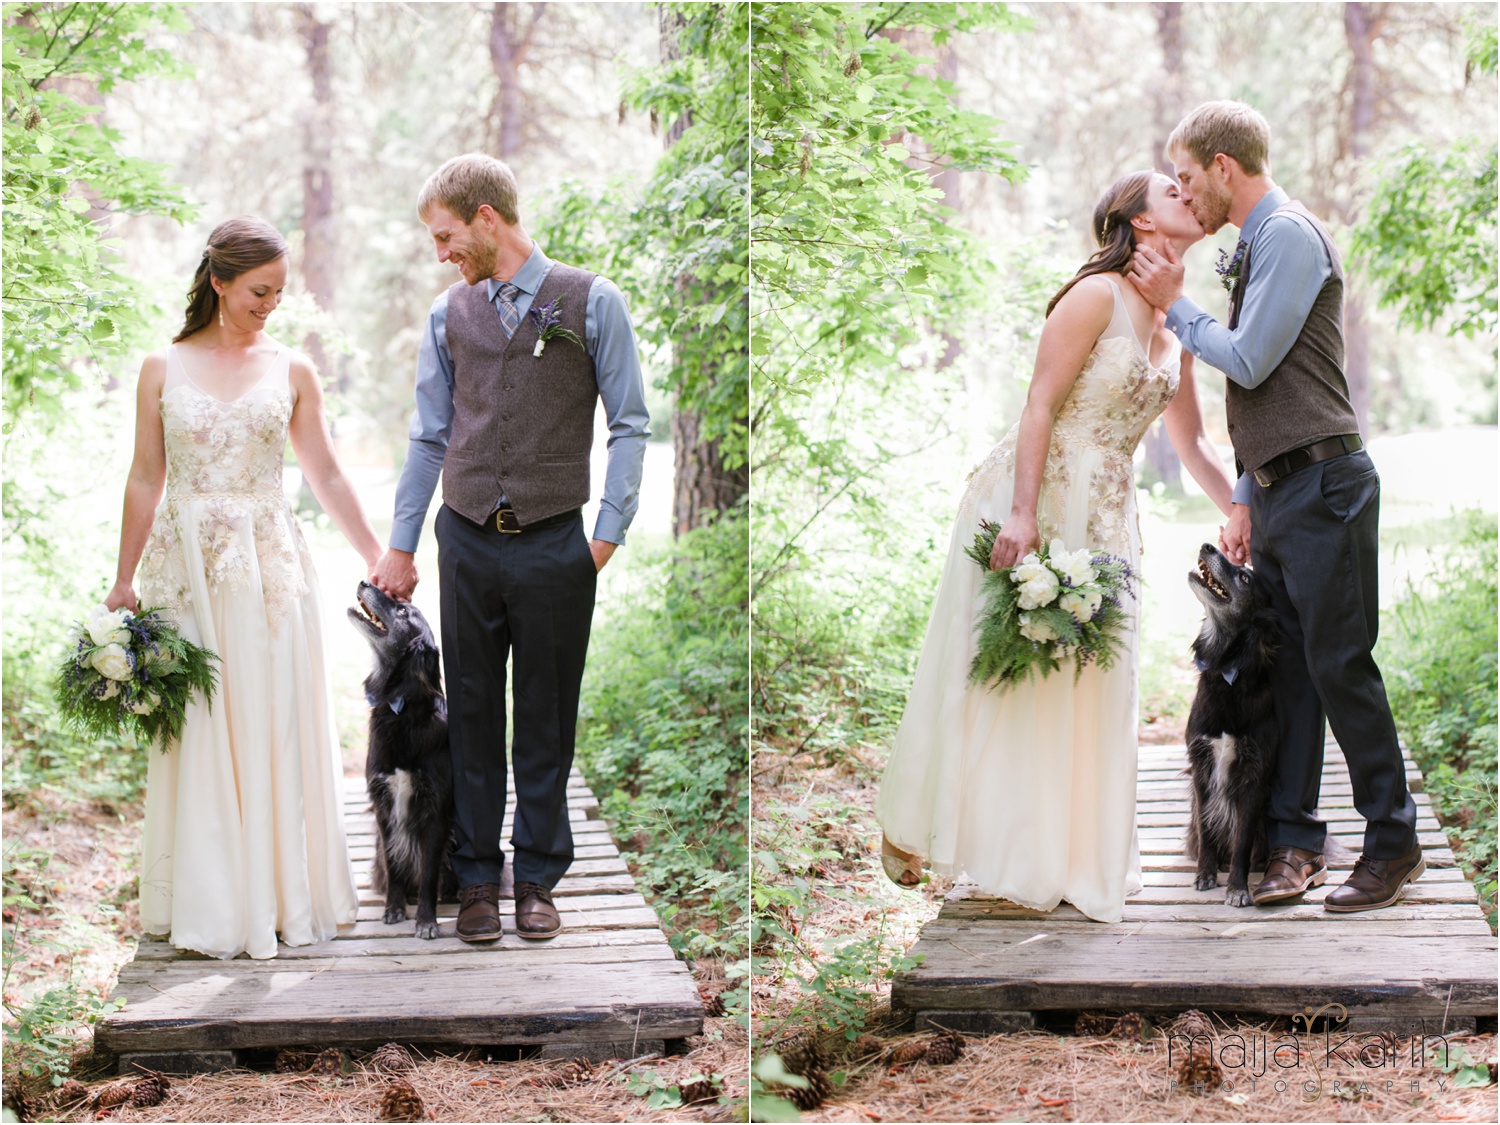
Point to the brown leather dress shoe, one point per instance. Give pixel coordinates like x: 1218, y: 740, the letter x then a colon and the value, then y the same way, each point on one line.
x: 479, y: 912
x: 536, y: 917
x: 1289, y: 872
x: 1376, y: 882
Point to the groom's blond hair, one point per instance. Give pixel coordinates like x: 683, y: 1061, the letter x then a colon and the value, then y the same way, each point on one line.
x: 1233, y: 128
x: 465, y: 183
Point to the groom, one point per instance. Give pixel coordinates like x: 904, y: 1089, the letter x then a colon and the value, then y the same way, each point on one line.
x: 1309, y: 492
x: 512, y: 362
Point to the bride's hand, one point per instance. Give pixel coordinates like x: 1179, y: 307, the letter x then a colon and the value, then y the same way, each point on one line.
x: 122, y: 595
x: 1017, y: 538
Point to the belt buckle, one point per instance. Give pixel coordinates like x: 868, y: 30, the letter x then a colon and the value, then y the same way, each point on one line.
x: 500, y: 514
x: 1264, y: 480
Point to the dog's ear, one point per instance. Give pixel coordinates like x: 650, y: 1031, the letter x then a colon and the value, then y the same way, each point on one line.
x: 422, y: 665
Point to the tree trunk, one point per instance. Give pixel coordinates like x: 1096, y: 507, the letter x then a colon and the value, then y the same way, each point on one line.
x: 1168, y: 110
x: 701, y: 484
x: 1362, y: 26
x: 511, y: 32
x: 319, y: 230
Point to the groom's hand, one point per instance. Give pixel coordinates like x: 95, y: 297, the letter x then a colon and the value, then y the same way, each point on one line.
x: 1234, y: 537
x: 602, y: 550
x: 1158, y: 277
x: 396, y: 574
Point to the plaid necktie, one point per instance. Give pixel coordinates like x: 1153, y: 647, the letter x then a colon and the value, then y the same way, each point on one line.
x: 505, y: 301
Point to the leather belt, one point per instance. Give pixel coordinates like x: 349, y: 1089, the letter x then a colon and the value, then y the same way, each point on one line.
x: 504, y: 521
x: 1285, y: 464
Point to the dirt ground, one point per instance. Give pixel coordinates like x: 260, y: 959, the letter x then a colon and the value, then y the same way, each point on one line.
x: 86, y: 929
x: 825, y: 809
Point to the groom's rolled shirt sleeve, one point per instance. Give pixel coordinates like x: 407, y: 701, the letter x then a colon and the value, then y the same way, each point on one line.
x: 1291, y: 266
x: 610, y: 341
x: 431, y: 423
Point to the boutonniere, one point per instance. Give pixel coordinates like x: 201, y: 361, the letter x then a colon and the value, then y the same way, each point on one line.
x: 548, y: 321
x: 1228, y: 268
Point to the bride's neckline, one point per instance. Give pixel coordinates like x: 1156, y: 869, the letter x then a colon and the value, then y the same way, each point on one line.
x: 1134, y: 338
x: 261, y: 378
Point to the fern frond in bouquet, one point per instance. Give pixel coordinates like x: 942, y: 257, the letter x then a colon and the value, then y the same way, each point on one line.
x: 132, y: 671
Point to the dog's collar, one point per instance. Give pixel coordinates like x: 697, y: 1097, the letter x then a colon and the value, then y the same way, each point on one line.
x: 1229, y: 676
x: 395, y: 704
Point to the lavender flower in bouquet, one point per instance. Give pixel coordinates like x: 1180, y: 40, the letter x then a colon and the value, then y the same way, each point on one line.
x: 132, y: 671
x: 548, y: 321
x: 1052, y: 605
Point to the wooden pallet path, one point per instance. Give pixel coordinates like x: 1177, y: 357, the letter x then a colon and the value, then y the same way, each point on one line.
x: 609, y: 985
x: 1428, y: 961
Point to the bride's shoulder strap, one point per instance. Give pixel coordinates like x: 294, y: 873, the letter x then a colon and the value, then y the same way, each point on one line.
x: 176, y: 373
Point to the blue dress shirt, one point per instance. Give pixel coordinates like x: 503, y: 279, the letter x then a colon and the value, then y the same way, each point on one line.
x: 1291, y: 265
x: 610, y: 341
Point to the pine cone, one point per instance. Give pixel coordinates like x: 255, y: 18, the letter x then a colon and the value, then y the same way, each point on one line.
x: 149, y: 1091
x: 1094, y: 1025
x: 913, y: 1050
x: 813, y: 1094
x: 702, y: 1090
x: 393, y: 1059
x: 1129, y: 1026
x: 401, y: 1102
x: 803, y: 1054
x: 115, y: 1094
x: 1198, y: 1071
x: 575, y: 1073
x: 867, y: 1045
x: 330, y: 1061
x: 713, y: 1002
x: 946, y: 1048
x: 1191, y: 1023
x: 294, y: 1060
x: 70, y: 1091
x: 20, y: 1102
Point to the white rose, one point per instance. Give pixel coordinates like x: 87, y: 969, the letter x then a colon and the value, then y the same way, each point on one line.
x: 1082, y: 606
x: 1038, y: 589
x: 112, y: 661
x: 106, y: 628
x: 1035, y: 629
x: 1075, y: 566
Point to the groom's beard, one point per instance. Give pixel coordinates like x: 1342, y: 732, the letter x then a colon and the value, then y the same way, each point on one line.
x: 1211, y: 208
x: 477, y: 261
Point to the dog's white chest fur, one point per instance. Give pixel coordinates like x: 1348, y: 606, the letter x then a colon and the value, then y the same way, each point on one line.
x: 402, y: 788
x: 1220, y: 811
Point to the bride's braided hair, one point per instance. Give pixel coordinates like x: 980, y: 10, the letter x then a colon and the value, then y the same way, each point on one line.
x: 236, y: 245
x: 1122, y: 201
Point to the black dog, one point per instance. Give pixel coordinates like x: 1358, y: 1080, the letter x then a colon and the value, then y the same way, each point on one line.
x: 1231, y: 730
x: 408, y: 772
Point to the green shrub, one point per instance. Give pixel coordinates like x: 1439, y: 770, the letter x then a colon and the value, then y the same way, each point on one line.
x: 1437, y: 654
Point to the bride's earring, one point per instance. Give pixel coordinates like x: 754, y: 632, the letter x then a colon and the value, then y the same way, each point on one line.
x: 221, y: 314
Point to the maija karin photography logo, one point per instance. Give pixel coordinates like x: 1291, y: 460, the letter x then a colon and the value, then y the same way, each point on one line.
x: 1261, y: 1063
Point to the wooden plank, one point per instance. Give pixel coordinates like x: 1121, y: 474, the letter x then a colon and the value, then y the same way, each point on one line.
x: 164, y: 973
x: 396, y: 944
x: 578, y: 905
x: 1185, y: 879
x: 1435, y: 857
x: 954, y: 929
x: 1218, y: 912
x: 593, y: 920
x: 569, y: 887
x: 504, y: 1000
x: 1280, y: 972
x: 1166, y: 843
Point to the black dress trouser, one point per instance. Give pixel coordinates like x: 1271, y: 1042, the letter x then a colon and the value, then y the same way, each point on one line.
x: 529, y: 596
x: 1314, y: 544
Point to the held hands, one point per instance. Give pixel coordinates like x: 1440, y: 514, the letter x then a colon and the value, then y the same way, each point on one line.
x: 1234, y: 537
x: 1017, y: 538
x: 1157, y: 276
x: 396, y: 574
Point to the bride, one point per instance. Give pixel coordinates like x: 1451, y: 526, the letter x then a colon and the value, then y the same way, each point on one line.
x: 1030, y: 792
x: 244, y: 832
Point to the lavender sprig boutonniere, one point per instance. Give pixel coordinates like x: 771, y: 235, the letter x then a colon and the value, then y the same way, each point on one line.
x: 548, y: 320
x: 1228, y: 268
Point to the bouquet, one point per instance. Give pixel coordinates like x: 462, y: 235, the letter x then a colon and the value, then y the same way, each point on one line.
x: 1051, y: 606
x: 135, y: 670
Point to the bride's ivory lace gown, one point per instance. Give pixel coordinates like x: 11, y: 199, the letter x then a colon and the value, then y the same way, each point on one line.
x: 244, y: 832
x: 1030, y: 792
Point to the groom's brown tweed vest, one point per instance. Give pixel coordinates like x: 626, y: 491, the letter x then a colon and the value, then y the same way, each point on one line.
x: 1305, y: 398
x: 522, y: 424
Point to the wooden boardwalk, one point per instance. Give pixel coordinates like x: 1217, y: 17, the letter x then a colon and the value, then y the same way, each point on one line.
x: 1428, y: 961
x: 609, y: 985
